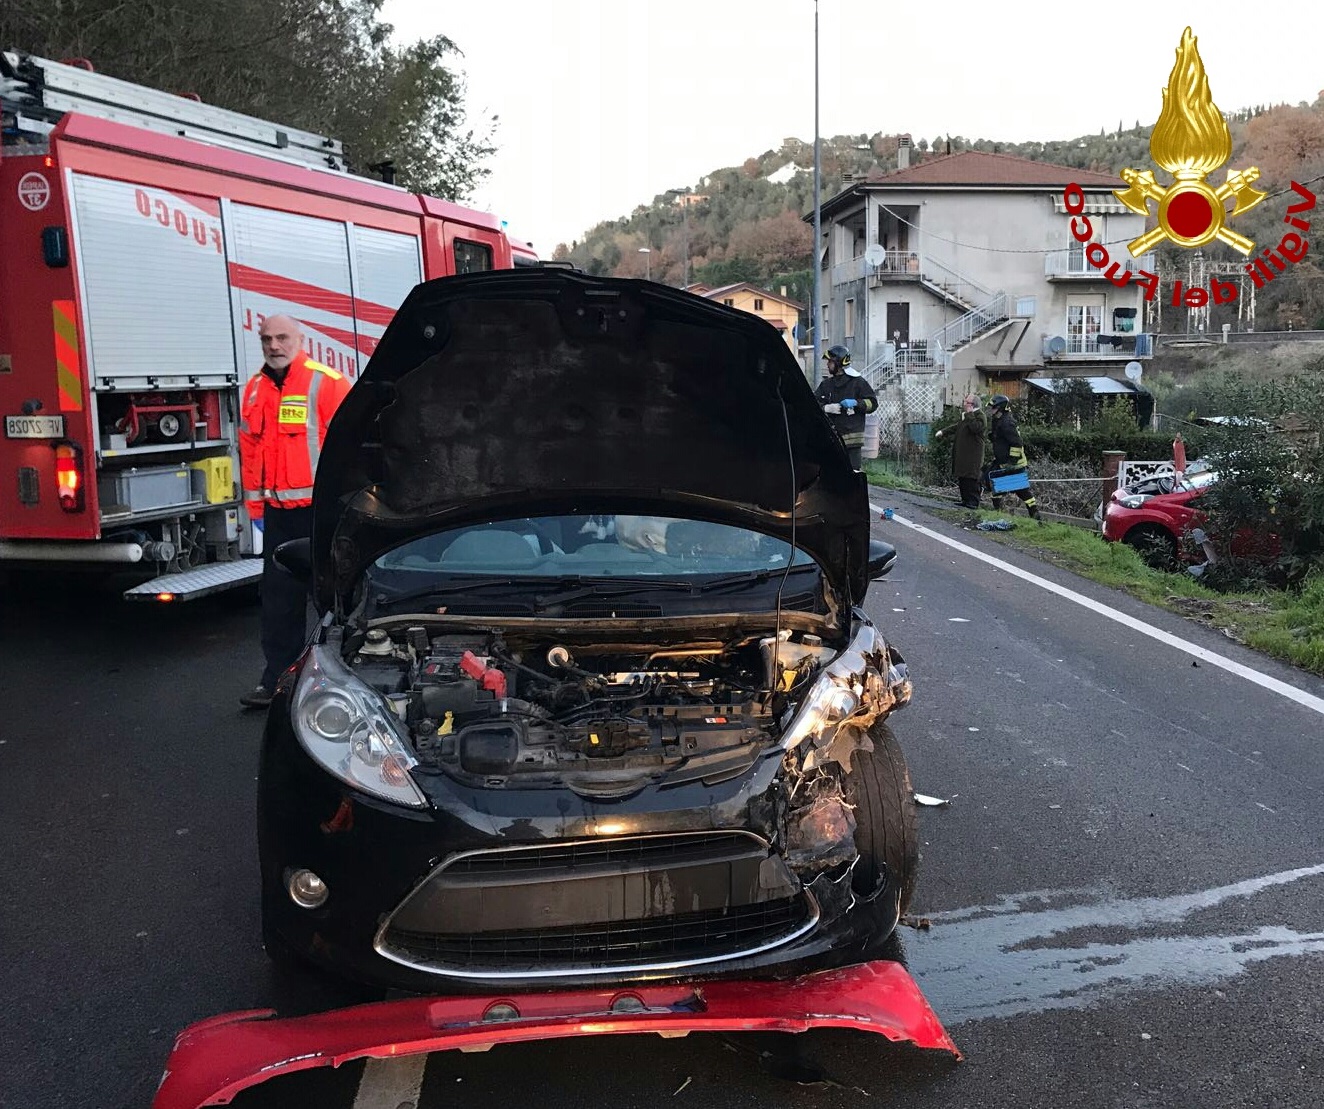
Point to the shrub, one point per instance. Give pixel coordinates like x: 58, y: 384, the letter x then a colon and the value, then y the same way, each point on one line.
x: 1067, y: 445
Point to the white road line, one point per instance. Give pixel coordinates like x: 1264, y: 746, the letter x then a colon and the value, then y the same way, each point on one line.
x: 1291, y: 692
x: 391, y: 1083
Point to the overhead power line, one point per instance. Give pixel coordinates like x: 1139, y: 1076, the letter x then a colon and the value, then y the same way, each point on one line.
x: 1043, y: 250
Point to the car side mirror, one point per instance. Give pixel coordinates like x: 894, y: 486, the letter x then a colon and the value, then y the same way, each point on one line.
x: 881, y: 558
x: 295, y: 557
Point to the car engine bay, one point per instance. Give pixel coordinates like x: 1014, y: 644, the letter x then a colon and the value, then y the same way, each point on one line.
x: 493, y: 709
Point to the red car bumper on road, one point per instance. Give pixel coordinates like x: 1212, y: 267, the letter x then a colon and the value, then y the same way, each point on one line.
x: 213, y: 1060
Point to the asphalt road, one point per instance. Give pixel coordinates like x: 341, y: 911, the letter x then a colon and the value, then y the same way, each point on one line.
x: 1126, y: 893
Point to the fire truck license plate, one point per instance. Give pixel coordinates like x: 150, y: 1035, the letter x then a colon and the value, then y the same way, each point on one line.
x: 34, y: 427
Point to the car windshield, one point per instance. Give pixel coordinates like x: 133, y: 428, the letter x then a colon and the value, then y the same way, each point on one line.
x: 1193, y: 483
x: 587, y: 547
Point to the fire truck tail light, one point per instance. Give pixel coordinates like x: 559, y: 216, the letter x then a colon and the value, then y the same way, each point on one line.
x: 69, y: 477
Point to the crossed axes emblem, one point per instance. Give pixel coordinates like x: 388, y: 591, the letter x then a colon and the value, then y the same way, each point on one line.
x: 1144, y: 188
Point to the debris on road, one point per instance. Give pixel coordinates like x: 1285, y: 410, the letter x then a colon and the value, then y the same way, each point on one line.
x: 932, y: 802
x: 683, y: 1085
x: 995, y: 525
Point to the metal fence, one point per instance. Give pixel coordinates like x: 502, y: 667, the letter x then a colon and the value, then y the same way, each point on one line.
x: 1240, y: 338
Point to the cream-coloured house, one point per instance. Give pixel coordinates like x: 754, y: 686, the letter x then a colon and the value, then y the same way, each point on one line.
x: 778, y: 309
x: 963, y: 268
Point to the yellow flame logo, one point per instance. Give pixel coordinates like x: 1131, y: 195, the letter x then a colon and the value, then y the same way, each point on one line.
x: 1190, y: 140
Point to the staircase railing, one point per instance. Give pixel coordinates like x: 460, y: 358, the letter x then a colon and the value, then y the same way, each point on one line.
x: 964, y: 328
x: 963, y: 287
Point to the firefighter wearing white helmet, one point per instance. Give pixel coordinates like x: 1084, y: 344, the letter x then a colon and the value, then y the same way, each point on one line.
x: 846, y: 398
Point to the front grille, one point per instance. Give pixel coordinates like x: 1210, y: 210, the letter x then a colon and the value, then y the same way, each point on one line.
x: 591, y: 906
x: 684, y: 938
x: 632, y: 851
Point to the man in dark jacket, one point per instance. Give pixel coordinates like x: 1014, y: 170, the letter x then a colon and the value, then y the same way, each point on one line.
x: 968, y: 451
x: 1009, y: 451
x: 846, y: 398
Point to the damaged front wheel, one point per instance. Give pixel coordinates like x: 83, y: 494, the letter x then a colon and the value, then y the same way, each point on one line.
x: 886, y: 824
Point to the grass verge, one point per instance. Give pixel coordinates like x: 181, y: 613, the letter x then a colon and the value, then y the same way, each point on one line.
x: 887, y: 474
x: 1287, y: 626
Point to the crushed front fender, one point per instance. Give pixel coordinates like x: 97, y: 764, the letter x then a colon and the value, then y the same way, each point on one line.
x: 215, y: 1059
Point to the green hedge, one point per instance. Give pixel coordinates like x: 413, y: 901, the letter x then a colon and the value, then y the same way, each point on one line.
x: 1062, y: 444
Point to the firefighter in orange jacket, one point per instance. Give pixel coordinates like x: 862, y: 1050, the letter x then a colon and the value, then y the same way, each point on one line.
x: 282, y: 423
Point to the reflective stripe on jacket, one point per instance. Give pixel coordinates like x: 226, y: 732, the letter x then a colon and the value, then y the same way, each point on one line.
x: 281, y: 430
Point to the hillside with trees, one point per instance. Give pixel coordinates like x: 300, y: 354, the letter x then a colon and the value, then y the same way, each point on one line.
x: 744, y: 223
x: 319, y: 65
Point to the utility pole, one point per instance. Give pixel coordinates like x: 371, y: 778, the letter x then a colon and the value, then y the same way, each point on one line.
x: 816, y: 310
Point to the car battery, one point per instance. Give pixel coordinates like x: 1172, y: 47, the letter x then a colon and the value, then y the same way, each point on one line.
x: 213, y: 479
x: 145, y: 489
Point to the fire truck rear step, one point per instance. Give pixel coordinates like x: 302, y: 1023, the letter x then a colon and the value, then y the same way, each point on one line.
x: 192, y: 584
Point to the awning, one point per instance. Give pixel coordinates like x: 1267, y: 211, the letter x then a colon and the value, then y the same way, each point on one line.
x: 1098, y: 385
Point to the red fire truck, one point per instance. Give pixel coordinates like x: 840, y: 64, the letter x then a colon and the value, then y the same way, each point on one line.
x: 143, y: 238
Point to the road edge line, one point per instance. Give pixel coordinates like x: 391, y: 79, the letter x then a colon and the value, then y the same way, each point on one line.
x: 1265, y: 681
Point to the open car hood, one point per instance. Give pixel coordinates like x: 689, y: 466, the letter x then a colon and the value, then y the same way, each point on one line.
x: 523, y: 393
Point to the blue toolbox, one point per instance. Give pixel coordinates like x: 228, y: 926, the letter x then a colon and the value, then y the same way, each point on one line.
x: 1008, y: 481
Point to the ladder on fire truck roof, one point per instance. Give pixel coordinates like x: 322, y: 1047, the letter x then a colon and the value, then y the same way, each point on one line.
x: 36, y: 92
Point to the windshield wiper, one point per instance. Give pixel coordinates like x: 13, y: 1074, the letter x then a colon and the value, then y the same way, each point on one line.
x: 612, y: 587
x: 386, y: 597
x: 753, y: 577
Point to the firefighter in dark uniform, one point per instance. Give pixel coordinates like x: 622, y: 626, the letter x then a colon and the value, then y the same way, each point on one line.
x: 1008, y: 452
x: 846, y: 398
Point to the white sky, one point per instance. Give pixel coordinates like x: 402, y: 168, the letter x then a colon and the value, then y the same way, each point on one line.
x: 604, y: 104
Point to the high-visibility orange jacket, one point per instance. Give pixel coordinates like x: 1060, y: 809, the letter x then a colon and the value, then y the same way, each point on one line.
x: 281, y: 430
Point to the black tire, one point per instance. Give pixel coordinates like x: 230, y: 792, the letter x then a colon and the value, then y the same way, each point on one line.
x: 886, y: 817
x: 171, y: 427
x: 1156, y: 546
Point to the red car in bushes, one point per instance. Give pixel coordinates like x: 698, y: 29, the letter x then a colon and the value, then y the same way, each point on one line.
x: 1161, y: 518
x: 1156, y: 517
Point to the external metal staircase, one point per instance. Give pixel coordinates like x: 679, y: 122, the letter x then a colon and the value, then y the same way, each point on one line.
x: 936, y: 353
x: 953, y: 287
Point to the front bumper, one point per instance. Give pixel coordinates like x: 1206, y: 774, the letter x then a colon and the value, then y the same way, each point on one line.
x: 216, y: 1059
x: 374, y: 857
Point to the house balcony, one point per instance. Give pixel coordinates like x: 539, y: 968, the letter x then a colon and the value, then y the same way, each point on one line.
x: 1097, y: 348
x: 896, y: 265
x: 1071, y: 265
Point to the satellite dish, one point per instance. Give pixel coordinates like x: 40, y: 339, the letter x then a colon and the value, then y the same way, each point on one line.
x: 1056, y: 345
x: 1134, y: 370
x: 876, y: 255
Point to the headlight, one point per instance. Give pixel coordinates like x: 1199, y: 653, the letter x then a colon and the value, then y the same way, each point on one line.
x: 852, y: 682
x: 1134, y: 501
x: 347, y: 730
x: 825, y: 705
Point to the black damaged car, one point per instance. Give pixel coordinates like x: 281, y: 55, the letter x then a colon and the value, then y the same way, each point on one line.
x: 593, y: 698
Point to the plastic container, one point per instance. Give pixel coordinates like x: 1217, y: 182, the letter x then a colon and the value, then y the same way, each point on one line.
x: 145, y: 489
x: 213, y: 479
x: 1008, y: 481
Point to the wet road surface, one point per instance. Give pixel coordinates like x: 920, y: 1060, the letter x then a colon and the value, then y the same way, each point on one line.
x: 1125, y: 896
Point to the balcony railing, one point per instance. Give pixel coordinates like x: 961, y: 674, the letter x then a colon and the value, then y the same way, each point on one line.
x: 1074, y: 265
x: 898, y: 263
x: 1133, y: 345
